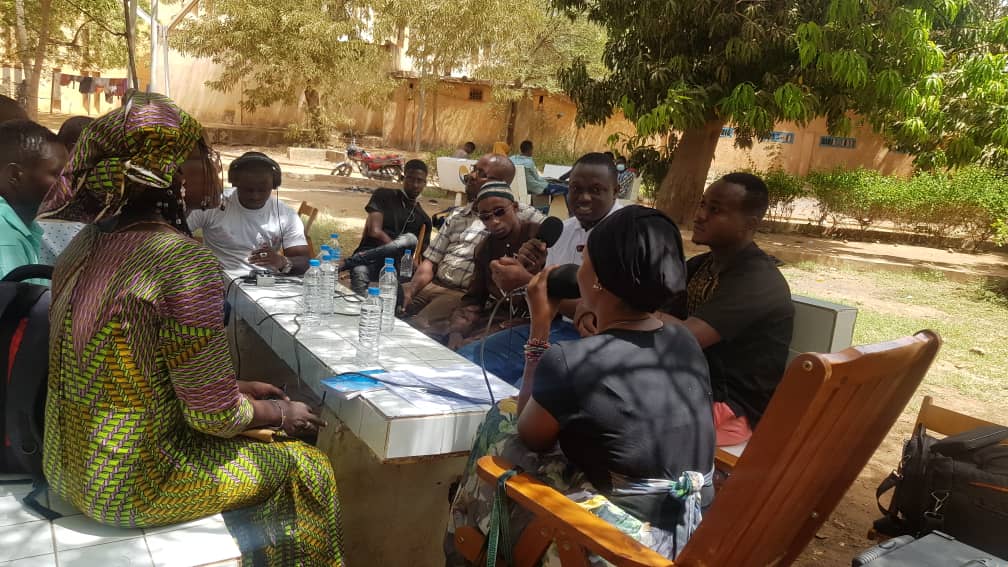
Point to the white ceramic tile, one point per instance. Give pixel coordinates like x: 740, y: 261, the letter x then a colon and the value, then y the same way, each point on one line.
x: 460, y: 431
x: 12, y: 509
x: 48, y: 560
x: 124, y: 553
x: 200, y: 523
x: 415, y: 437
x: 200, y: 545
x: 374, y: 430
x: 25, y: 540
x: 81, y: 531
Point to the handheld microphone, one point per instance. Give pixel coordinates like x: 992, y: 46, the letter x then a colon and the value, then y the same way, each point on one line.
x: 550, y: 231
x: 562, y: 282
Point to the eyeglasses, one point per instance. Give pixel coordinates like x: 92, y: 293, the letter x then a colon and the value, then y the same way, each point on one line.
x: 498, y: 212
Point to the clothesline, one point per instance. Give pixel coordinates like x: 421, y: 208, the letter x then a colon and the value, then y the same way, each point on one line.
x: 89, y: 85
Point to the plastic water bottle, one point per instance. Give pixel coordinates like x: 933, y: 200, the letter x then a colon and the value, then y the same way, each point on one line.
x: 388, y: 285
x: 328, y: 283
x: 312, y: 291
x: 406, y: 266
x: 334, y: 242
x: 369, y: 327
x: 324, y: 250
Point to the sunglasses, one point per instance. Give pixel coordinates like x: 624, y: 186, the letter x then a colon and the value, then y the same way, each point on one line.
x: 498, y: 212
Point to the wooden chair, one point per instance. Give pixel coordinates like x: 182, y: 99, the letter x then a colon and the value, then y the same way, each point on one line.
x: 946, y: 422
x: 829, y: 415
x: 309, y: 213
x: 418, y: 253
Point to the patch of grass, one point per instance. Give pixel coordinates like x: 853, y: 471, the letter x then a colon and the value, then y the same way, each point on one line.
x: 326, y: 224
x: 972, y: 320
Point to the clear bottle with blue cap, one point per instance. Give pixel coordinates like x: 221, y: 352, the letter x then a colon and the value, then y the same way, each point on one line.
x: 328, y: 283
x: 388, y: 285
x: 406, y: 266
x: 312, y: 291
x: 369, y: 327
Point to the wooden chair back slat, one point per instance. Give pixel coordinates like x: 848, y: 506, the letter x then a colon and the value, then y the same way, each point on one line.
x: 828, y: 416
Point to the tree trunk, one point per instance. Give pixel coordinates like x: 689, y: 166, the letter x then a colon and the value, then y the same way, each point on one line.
x: 512, y: 118
x: 22, y: 44
x: 680, y: 191
x: 45, y: 11
x: 421, y: 106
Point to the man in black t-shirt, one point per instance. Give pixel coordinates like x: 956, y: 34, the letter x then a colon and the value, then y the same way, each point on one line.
x: 392, y: 227
x: 740, y: 308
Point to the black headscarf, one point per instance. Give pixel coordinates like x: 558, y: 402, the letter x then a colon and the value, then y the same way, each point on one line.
x: 638, y: 256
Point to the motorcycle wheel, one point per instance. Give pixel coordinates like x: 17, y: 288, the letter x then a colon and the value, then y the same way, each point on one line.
x: 394, y: 172
x: 343, y: 170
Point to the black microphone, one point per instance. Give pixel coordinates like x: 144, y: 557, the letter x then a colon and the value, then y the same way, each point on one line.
x: 562, y: 283
x: 550, y: 231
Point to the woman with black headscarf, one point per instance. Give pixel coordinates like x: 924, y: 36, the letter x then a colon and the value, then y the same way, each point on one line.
x: 628, y: 407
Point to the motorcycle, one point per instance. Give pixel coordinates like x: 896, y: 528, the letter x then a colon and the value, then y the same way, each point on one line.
x: 386, y: 166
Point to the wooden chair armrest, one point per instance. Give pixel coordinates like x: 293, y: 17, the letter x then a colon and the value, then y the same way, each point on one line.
x: 572, y: 522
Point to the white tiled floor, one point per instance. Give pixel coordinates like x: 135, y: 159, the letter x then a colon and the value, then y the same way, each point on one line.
x: 27, y: 540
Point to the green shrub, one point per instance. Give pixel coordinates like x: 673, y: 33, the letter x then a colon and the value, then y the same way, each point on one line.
x: 784, y: 189
x: 971, y: 201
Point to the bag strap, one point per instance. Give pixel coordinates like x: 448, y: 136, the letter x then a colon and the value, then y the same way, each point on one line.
x: 971, y: 440
x: 890, y: 482
x: 500, y: 522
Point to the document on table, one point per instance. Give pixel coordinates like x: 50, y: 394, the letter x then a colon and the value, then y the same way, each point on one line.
x: 445, y: 389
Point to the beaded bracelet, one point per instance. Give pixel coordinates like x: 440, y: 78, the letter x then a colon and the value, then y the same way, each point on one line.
x: 535, y: 349
x: 283, y: 417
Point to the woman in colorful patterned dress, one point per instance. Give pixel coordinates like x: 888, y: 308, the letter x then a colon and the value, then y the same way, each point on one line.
x: 144, y: 412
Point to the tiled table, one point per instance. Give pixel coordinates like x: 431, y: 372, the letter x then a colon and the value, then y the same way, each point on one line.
x: 28, y: 540
x: 388, y: 424
x: 393, y: 461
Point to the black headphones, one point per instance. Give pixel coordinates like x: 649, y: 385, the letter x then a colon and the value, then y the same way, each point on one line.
x: 255, y: 157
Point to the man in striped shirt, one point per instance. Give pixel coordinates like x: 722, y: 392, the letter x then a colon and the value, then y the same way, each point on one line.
x: 444, y: 275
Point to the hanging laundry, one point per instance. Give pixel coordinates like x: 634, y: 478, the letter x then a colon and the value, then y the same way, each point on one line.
x: 87, y: 85
x: 101, y: 83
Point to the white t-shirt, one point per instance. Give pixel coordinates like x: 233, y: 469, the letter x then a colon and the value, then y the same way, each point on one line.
x: 232, y: 234
x: 569, y: 246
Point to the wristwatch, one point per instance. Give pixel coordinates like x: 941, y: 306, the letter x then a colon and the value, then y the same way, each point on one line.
x: 287, y: 265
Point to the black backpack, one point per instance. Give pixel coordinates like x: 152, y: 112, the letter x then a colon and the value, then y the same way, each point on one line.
x: 958, y: 485
x: 24, y: 363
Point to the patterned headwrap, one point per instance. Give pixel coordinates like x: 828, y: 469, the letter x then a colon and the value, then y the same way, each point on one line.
x: 140, y: 144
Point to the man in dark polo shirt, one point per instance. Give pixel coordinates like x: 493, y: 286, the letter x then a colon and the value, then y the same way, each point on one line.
x: 739, y: 305
x: 392, y: 227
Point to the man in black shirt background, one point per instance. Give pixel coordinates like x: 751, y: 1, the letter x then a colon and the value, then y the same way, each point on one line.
x: 392, y: 227
x: 740, y: 308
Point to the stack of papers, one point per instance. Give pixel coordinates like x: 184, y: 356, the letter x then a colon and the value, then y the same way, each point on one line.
x: 436, y: 389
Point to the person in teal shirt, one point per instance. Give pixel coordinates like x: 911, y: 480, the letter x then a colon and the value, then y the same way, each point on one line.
x: 31, y: 159
x: 533, y: 181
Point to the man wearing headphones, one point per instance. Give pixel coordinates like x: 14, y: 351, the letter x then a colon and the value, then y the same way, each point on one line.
x: 253, y: 227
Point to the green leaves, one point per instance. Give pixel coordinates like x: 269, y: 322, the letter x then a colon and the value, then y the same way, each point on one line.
x: 810, y: 39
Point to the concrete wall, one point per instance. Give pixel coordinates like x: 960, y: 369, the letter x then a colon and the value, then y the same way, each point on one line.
x: 452, y: 118
x: 188, y: 88
x: 806, y: 154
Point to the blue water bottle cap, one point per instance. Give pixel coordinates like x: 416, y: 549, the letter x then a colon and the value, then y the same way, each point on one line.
x: 389, y: 268
x: 389, y: 261
x: 327, y: 257
x: 334, y: 235
x: 409, y: 252
x: 314, y: 262
x: 325, y: 247
x: 373, y: 291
